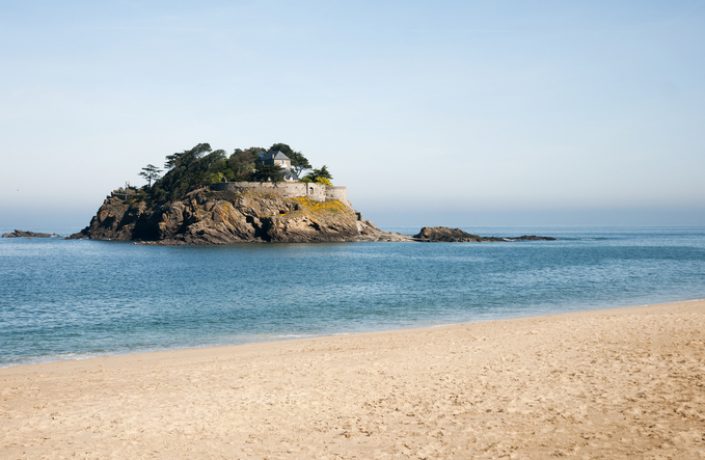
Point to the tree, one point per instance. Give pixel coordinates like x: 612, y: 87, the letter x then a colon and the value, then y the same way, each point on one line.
x: 283, y: 148
x: 186, y: 157
x: 299, y: 163
x: 323, y: 172
x: 324, y: 181
x: 151, y: 173
x: 188, y: 170
x: 268, y: 172
x: 321, y: 176
x: 241, y: 163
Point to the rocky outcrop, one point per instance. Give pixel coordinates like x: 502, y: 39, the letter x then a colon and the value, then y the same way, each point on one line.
x: 206, y: 216
x: 28, y: 234
x: 532, y: 238
x: 456, y: 235
x: 446, y: 234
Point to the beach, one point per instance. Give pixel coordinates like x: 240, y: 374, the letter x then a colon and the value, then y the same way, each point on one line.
x: 610, y: 383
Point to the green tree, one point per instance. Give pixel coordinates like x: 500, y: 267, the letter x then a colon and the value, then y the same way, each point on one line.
x: 241, y: 164
x: 299, y: 163
x: 323, y: 172
x: 189, y: 170
x: 267, y: 172
x: 283, y: 148
x: 151, y: 173
x: 321, y: 176
x: 185, y: 158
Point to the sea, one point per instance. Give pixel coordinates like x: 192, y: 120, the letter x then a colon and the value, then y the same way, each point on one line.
x: 63, y: 299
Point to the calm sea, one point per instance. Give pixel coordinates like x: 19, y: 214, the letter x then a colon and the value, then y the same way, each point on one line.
x: 66, y: 299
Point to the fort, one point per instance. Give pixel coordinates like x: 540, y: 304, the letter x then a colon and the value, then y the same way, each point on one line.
x: 311, y: 190
x: 290, y: 186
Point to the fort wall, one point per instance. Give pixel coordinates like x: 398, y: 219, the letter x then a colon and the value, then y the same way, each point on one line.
x: 337, y: 193
x: 313, y: 191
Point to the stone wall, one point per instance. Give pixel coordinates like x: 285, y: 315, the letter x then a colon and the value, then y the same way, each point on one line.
x: 316, y: 192
x: 337, y: 193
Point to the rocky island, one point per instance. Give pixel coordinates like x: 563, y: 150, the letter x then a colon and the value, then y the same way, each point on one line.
x: 253, y: 195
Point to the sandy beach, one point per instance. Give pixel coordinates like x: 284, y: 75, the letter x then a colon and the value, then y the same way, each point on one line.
x: 617, y: 383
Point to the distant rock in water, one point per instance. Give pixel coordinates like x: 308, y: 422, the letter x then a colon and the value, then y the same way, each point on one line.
x: 446, y: 234
x: 28, y: 234
x: 456, y: 235
x: 207, y: 216
x: 532, y: 238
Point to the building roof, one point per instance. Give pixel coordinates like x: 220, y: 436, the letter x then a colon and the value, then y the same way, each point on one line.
x: 271, y: 156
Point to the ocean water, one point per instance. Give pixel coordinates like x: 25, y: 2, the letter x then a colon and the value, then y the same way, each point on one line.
x: 66, y: 299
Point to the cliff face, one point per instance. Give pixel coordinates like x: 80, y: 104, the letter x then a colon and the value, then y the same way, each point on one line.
x: 221, y: 217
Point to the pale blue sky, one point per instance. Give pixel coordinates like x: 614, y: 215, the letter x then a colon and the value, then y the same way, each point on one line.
x: 457, y: 113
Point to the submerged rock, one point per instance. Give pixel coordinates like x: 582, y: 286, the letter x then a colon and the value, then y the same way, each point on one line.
x: 533, y: 238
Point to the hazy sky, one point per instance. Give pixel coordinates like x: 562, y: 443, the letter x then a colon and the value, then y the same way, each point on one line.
x: 457, y: 113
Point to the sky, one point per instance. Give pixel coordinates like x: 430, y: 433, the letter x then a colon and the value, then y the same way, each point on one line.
x: 532, y: 113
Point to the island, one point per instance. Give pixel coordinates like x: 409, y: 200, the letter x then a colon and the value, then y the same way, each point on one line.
x: 256, y: 194
x: 252, y: 195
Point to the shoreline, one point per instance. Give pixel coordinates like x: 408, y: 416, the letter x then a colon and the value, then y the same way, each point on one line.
x: 618, y: 382
x: 421, y: 326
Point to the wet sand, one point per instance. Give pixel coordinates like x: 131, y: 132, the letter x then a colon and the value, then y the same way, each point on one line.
x: 617, y: 383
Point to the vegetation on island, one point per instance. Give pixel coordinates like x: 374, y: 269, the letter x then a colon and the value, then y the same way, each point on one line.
x: 151, y: 173
x: 201, y: 166
x: 321, y: 176
x: 307, y: 205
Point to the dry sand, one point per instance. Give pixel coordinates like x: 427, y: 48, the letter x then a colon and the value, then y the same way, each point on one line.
x: 621, y: 383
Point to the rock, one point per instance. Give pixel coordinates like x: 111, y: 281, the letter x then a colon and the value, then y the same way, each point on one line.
x: 456, y: 235
x: 207, y: 216
x: 28, y: 234
x: 533, y: 238
x: 368, y: 232
x: 445, y: 234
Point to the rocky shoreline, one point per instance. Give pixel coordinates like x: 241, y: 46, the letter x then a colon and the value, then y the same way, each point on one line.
x: 207, y: 216
x: 366, y: 232
x: 211, y: 217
